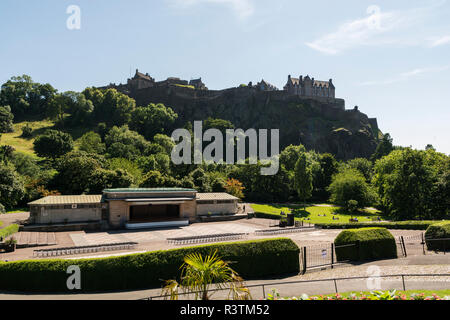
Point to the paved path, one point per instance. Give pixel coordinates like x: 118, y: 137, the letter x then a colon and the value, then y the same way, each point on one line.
x: 423, y: 265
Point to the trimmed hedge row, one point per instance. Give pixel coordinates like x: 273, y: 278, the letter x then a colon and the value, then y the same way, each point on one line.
x: 264, y: 215
x: 369, y: 244
x: 438, y: 231
x: 9, y: 230
x: 251, y: 259
x: 405, y: 225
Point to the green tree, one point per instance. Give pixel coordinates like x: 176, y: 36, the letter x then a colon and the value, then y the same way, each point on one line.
x: 11, y: 187
x: 303, y: 179
x: 6, y: 152
x: 53, y: 144
x: 124, y: 143
x: 290, y: 155
x: 153, y: 119
x: 321, y: 181
x: 109, y: 179
x: 384, y: 148
x: 131, y: 167
x: 6, y: 119
x: 26, y: 97
x: 362, y: 165
x: 406, y: 181
x: 76, y: 172
x: 91, y: 142
x: 165, y: 142
x: 110, y: 106
x: 348, y: 185
x: 219, y: 124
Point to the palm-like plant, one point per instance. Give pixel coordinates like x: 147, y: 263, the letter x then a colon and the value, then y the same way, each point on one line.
x: 200, y: 274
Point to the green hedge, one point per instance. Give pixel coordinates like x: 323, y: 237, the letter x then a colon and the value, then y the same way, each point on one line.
x: 264, y: 215
x: 369, y: 244
x: 251, y: 259
x: 9, y: 230
x: 404, y: 225
x: 439, y: 230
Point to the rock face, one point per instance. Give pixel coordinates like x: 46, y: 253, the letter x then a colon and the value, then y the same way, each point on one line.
x: 322, y: 125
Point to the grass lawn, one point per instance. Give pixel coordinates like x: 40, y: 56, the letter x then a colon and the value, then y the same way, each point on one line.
x: 18, y: 210
x: 21, y: 144
x: 313, y: 213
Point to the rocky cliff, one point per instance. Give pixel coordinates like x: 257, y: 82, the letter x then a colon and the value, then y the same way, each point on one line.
x: 324, y: 126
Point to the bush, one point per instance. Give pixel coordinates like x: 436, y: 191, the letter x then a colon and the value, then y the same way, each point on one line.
x: 2, y: 209
x: 251, y: 259
x: 402, y: 225
x: 27, y: 131
x: 438, y: 231
x: 9, y: 230
x: 369, y: 244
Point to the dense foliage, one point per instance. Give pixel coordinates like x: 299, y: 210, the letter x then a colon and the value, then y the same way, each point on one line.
x: 8, y: 231
x: 101, y: 138
x: 437, y: 236
x: 365, y: 244
x: 402, y: 225
x: 251, y: 259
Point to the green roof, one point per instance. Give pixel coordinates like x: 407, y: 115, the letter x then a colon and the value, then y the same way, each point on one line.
x: 144, y: 190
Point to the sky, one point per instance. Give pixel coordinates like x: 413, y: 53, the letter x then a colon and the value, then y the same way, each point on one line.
x: 390, y: 58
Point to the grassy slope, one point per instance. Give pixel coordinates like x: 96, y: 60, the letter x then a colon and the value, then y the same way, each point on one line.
x: 15, y: 140
x: 24, y: 145
x: 315, y: 211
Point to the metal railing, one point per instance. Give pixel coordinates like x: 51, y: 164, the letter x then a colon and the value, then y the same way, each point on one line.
x: 83, y: 249
x: 283, y: 230
x: 334, y: 281
x: 207, y: 238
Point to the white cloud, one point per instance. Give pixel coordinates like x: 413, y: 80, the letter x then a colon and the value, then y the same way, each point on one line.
x: 406, y: 76
x: 378, y: 28
x: 435, y: 42
x: 242, y: 8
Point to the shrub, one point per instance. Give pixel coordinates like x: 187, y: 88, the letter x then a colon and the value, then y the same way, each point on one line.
x: 438, y: 231
x: 402, y: 225
x: 251, y: 259
x: 27, y: 131
x: 369, y: 244
x: 9, y: 230
x: 2, y: 209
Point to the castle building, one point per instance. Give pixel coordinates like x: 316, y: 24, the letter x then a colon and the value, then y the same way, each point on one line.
x: 141, y: 81
x: 198, y: 84
x: 265, y: 86
x: 309, y: 87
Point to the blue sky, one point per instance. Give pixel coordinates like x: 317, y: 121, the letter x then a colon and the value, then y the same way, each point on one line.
x: 391, y: 58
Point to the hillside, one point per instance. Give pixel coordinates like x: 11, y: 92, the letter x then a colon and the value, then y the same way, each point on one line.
x: 324, y: 126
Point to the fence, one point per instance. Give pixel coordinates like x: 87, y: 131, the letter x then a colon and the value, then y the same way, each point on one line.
x: 318, y: 256
x: 335, y: 284
x: 282, y: 231
x: 83, y: 249
x: 417, y: 245
x: 207, y: 238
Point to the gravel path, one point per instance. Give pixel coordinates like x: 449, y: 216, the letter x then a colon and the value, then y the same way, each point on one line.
x: 362, y: 271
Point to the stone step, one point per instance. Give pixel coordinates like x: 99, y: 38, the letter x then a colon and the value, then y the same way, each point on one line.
x: 33, y: 239
x: 42, y: 238
x: 23, y: 239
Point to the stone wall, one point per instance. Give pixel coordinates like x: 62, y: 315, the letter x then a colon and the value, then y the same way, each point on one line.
x: 45, y: 215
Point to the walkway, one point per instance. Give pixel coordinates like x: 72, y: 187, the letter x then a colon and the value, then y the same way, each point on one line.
x: 423, y: 265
